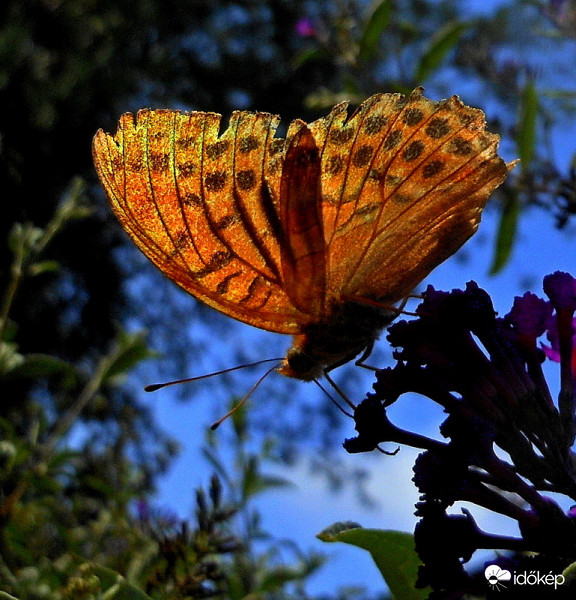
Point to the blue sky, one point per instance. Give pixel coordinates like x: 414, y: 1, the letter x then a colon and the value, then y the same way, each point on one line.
x: 302, y: 512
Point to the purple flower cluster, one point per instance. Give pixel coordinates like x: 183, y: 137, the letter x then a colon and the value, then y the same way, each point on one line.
x: 508, y: 442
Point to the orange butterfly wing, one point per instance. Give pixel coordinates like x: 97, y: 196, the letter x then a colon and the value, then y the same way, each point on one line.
x: 303, y: 248
x: 204, y: 209
x: 304, y: 235
x: 404, y: 182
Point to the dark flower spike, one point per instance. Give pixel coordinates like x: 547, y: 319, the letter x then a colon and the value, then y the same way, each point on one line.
x: 527, y: 321
x: 375, y: 428
x: 561, y: 289
x: 443, y: 571
x: 529, y: 316
x: 486, y: 373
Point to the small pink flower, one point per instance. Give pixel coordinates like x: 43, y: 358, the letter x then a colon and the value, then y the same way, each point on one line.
x: 305, y: 28
x: 553, y: 350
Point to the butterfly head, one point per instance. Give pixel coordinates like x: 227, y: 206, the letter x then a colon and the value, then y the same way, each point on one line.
x: 300, y: 365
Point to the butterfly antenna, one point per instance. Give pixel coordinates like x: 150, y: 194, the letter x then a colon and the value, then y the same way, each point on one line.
x: 247, y: 395
x: 157, y: 386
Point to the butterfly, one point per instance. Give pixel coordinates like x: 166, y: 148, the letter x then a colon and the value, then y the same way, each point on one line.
x: 317, y: 235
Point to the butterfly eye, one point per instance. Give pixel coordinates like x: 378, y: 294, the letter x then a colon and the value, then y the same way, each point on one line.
x: 301, y: 366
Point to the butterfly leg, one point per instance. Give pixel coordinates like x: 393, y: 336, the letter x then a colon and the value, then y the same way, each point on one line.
x: 365, y: 354
x: 333, y: 400
x: 337, y: 388
x: 359, y: 362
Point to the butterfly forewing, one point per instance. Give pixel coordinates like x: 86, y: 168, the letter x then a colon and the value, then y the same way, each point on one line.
x: 232, y: 190
x: 423, y: 185
x: 433, y: 202
x: 351, y: 180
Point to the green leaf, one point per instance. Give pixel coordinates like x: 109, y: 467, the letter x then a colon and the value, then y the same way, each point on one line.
x: 44, y: 266
x: 125, y: 591
x: 239, y: 418
x: 42, y: 365
x: 375, y: 25
x: 274, y: 578
x: 5, y: 596
x: 74, y: 204
x: 255, y: 484
x: 442, y: 41
x: 213, y: 458
x: 251, y: 482
x: 393, y: 552
x: 271, y: 481
x: 507, y: 231
x: 570, y: 572
x: 10, y: 358
x: 113, y: 585
x: 308, y: 56
x: 526, y: 138
x: 23, y: 238
x: 332, y: 533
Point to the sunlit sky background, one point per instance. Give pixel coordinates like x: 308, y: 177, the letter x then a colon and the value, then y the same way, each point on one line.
x: 299, y: 513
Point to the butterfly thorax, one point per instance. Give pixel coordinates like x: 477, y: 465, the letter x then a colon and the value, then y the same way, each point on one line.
x: 349, y: 329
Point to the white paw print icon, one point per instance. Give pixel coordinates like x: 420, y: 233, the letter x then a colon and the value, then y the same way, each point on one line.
x: 496, y: 576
